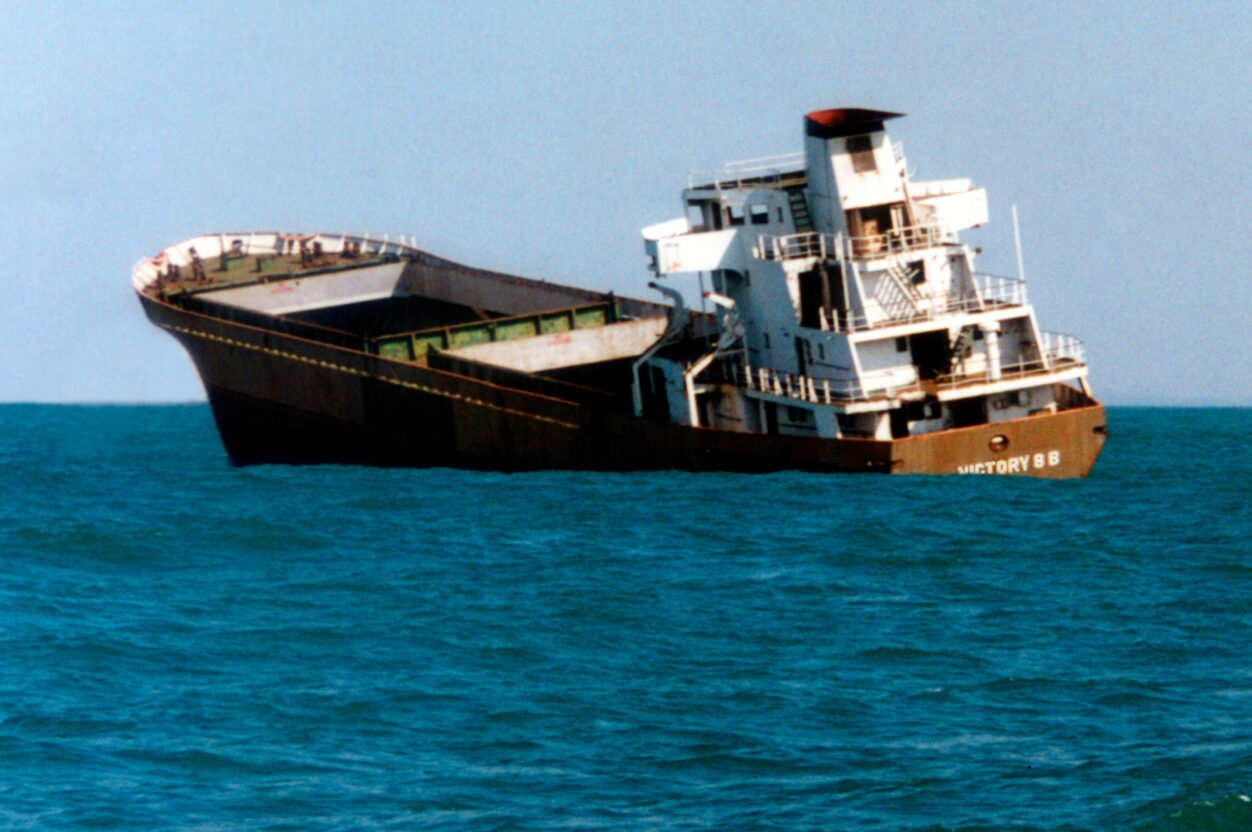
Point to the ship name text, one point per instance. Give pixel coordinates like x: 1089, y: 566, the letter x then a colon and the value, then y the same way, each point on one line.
x: 1013, y: 464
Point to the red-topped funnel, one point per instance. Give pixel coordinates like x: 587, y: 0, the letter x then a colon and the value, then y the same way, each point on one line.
x: 845, y: 121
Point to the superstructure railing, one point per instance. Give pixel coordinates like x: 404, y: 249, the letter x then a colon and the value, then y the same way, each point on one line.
x: 998, y: 290
x: 868, y: 247
x: 986, y: 292
x: 821, y: 390
x: 1057, y: 353
x: 1060, y: 348
x: 799, y: 246
x: 735, y: 175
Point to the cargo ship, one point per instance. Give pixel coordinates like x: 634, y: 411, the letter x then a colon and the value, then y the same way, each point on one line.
x: 842, y: 327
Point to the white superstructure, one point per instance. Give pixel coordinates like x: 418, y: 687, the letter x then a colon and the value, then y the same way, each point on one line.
x: 847, y: 304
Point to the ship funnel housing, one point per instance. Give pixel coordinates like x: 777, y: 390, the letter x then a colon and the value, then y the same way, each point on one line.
x: 856, y: 180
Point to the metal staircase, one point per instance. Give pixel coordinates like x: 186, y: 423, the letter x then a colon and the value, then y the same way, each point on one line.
x: 799, y: 209
x: 897, y: 294
x: 960, y: 348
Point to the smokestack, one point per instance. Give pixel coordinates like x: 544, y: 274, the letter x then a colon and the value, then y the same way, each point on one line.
x: 842, y: 148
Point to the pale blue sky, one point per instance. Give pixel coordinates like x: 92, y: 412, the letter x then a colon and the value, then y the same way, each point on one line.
x: 540, y: 137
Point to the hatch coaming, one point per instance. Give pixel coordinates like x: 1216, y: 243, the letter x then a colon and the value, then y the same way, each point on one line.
x: 397, y: 302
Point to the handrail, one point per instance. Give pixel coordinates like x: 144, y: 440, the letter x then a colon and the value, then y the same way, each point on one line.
x: 228, y: 245
x: 1061, y: 347
x: 1057, y: 351
x: 870, y: 247
x: 749, y: 171
x: 814, y: 390
x: 777, y: 160
x: 999, y: 290
x: 994, y: 293
x: 798, y: 246
x: 900, y: 240
x: 989, y: 290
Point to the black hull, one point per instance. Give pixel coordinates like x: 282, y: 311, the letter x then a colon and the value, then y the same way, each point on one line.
x: 281, y: 398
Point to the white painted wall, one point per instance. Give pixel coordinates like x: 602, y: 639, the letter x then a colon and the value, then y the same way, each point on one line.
x: 765, y: 302
x: 1016, y: 340
x: 314, y: 292
x: 702, y: 252
x: 884, y: 366
x: 1001, y: 407
x: 834, y: 360
x: 954, y: 212
x: 878, y: 187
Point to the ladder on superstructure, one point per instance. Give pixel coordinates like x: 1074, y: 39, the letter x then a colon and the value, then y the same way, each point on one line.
x: 799, y: 209
x: 899, y: 296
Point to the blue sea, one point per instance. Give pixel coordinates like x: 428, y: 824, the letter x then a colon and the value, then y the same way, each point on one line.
x: 189, y: 645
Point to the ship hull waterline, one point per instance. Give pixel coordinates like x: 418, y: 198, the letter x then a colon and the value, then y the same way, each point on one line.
x: 278, y: 398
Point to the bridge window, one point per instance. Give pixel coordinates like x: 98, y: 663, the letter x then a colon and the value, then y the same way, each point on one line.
x: 734, y: 213
x: 759, y: 214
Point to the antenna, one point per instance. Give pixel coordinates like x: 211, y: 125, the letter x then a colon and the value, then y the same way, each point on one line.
x: 1017, y: 241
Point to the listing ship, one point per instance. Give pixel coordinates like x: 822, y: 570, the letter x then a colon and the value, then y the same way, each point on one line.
x: 845, y: 329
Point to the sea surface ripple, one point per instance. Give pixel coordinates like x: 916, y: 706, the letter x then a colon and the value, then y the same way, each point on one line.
x: 191, y: 645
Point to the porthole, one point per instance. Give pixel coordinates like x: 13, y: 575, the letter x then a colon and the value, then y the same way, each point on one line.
x: 998, y: 443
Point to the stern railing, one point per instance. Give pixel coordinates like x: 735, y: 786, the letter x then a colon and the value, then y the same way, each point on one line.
x: 1058, y: 352
x: 1062, y: 349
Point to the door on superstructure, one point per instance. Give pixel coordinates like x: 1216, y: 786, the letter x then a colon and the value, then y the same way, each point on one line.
x: 821, y: 297
x: 771, y: 418
x: 931, y: 353
x: 655, y: 398
x: 868, y: 228
x: 814, y: 296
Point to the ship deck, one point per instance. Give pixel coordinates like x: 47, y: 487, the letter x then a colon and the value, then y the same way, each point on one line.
x: 237, y: 270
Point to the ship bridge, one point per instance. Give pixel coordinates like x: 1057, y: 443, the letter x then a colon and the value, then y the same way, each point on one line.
x: 853, y: 289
